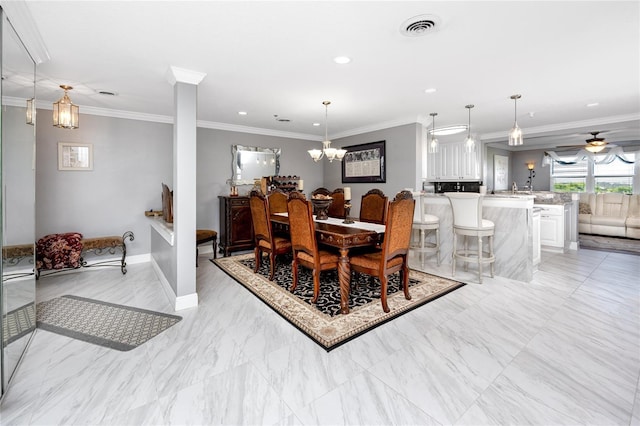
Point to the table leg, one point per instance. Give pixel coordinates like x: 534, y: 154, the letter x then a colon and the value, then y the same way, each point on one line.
x: 344, y: 276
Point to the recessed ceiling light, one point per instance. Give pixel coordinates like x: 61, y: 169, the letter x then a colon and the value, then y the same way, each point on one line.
x: 316, y: 124
x: 449, y: 130
x: 242, y: 112
x: 430, y: 90
x: 593, y: 104
x: 342, y: 60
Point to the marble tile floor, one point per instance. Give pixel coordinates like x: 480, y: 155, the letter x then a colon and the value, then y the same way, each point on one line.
x: 563, y: 349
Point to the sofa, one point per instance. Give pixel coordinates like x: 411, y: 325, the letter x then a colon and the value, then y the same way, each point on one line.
x: 616, y: 215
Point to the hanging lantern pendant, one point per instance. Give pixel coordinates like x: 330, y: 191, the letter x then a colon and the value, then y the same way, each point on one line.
x: 65, y: 112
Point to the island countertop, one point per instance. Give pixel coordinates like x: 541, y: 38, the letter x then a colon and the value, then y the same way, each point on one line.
x: 512, y: 215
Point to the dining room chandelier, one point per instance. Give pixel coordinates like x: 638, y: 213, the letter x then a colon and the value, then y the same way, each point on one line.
x: 65, y: 112
x: 328, y: 152
x: 433, y: 145
x: 470, y: 142
x: 515, y: 134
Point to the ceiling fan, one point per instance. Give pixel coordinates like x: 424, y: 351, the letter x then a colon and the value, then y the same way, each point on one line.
x: 593, y: 144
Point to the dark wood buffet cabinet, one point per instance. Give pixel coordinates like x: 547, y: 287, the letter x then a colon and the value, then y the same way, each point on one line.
x: 236, y: 227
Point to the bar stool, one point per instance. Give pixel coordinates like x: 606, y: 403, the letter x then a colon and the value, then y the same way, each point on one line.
x: 468, y: 222
x: 423, y: 225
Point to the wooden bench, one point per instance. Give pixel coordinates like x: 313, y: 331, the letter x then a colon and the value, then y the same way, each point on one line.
x: 99, y: 246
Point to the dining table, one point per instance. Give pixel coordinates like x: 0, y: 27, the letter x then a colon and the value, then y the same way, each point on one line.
x: 333, y: 232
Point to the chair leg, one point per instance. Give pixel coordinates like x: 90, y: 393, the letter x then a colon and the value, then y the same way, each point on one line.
x: 294, y: 272
x: 453, y: 254
x: 466, y: 253
x: 438, y: 243
x: 196, y: 256
x: 316, y: 285
x: 480, y: 259
x: 215, y: 248
x: 258, y: 258
x: 272, y: 265
x: 491, y: 254
x: 383, y: 292
x: 404, y: 275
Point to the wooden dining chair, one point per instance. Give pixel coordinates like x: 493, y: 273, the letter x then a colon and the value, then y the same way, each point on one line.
x: 277, y: 201
x: 373, y: 207
x: 336, y: 208
x: 304, y: 243
x: 265, y: 241
x: 393, y: 256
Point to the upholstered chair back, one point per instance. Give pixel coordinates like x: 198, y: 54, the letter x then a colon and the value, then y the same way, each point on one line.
x: 397, y: 235
x: 277, y: 202
x: 301, y: 226
x: 467, y: 209
x: 373, y: 207
x: 336, y: 208
x: 260, y: 216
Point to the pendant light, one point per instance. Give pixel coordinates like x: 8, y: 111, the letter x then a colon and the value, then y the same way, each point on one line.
x: 515, y: 135
x: 327, y: 151
x: 31, y: 111
x: 433, y: 145
x: 65, y: 113
x: 469, y: 143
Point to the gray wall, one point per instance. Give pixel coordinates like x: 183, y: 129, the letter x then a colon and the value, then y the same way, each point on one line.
x: 520, y: 173
x: 402, y: 144
x: 488, y: 180
x: 131, y: 160
x: 214, y: 167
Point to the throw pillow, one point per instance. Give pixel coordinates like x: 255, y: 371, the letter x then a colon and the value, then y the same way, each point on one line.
x: 58, y: 251
x: 584, y: 208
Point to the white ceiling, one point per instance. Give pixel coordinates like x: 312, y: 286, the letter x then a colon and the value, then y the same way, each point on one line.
x: 276, y: 58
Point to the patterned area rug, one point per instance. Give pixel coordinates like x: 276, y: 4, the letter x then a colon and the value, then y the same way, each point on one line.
x: 18, y: 323
x: 101, y: 323
x: 323, y: 321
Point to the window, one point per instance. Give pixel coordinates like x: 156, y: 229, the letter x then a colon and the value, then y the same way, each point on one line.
x: 587, y: 176
x: 616, y: 176
x: 569, y: 177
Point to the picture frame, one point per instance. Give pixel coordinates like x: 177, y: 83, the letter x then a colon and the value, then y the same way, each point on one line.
x: 500, y: 172
x: 75, y: 156
x: 365, y: 163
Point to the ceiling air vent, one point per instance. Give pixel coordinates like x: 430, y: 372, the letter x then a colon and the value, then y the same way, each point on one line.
x: 281, y: 119
x: 420, y: 25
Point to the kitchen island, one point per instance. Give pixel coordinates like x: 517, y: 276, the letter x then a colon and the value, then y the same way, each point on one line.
x: 514, y: 231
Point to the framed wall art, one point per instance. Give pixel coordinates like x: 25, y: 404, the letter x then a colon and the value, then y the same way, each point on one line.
x: 364, y: 163
x: 500, y: 172
x: 75, y: 156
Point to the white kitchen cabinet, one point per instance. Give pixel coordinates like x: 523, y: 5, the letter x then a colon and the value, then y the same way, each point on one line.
x: 452, y: 162
x: 554, y: 230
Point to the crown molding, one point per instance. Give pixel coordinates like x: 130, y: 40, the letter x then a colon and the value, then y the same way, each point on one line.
x: 22, y: 21
x: 182, y: 75
x: 256, y: 130
x: 568, y: 126
x: 156, y: 118
x: 376, y: 127
x: 487, y: 137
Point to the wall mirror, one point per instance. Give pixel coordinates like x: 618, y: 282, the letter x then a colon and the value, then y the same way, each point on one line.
x: 17, y: 295
x: 250, y: 162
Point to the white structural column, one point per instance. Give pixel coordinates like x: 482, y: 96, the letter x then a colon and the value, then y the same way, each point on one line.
x: 185, y: 84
